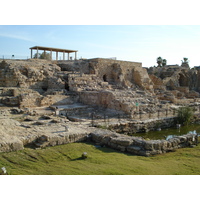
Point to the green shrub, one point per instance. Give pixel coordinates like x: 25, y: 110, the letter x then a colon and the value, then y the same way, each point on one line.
x: 184, y: 115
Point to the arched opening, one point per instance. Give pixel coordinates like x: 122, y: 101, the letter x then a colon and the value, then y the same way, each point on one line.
x: 104, y: 78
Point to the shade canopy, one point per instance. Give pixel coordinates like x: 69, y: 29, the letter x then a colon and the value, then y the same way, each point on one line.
x: 53, y: 49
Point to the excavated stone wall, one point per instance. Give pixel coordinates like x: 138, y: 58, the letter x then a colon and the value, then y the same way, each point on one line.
x: 143, y: 126
x: 24, y: 82
x: 33, y: 74
x: 120, y: 73
x: 139, y: 146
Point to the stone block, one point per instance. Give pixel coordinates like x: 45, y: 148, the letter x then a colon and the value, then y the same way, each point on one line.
x: 148, y: 145
x: 16, y: 146
x: 122, y: 141
x: 105, y: 140
x: 138, y: 142
x: 157, y: 144
x: 121, y: 148
x: 134, y: 149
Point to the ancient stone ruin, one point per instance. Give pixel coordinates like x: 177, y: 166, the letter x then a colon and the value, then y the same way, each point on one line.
x: 121, y: 95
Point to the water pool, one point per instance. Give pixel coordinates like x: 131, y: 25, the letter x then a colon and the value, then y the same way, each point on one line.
x: 170, y: 132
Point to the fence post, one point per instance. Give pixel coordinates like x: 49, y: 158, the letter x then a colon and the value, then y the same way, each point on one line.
x: 119, y: 118
x: 140, y: 114
x: 104, y: 117
x: 158, y: 114
x: 92, y: 116
x: 107, y: 120
x: 166, y: 112
x: 174, y: 112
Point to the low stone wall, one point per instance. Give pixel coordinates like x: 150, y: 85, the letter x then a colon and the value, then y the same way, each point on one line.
x: 11, y: 145
x: 143, y: 126
x: 139, y: 146
x: 44, y: 140
x: 40, y: 141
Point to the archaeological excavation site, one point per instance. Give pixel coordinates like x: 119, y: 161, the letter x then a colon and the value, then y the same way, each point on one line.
x: 104, y: 101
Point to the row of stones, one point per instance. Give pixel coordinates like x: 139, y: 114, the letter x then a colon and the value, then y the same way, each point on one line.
x: 139, y: 146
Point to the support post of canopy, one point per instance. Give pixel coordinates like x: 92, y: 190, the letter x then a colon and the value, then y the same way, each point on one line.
x: 51, y: 54
x: 56, y: 55
x: 37, y: 53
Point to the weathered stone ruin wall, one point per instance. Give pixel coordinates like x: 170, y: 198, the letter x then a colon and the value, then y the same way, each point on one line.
x: 14, y: 96
x: 122, y: 73
x: 96, y: 98
x: 143, y: 126
x: 182, y: 82
x: 33, y: 74
x: 23, y: 83
x: 119, y: 73
x: 86, y: 82
x: 139, y: 146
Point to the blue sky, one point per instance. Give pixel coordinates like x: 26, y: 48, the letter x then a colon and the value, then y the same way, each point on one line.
x: 139, y: 43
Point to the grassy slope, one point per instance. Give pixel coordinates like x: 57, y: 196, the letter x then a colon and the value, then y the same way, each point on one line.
x: 65, y: 159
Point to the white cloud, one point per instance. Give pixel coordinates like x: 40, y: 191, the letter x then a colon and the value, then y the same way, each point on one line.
x: 16, y: 36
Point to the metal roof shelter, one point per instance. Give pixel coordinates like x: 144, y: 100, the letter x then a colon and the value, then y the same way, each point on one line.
x: 51, y: 49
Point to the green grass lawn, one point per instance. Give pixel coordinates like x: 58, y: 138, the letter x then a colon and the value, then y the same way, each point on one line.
x: 66, y: 159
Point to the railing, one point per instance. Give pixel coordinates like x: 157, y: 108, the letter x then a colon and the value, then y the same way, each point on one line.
x: 13, y: 57
x: 96, y: 118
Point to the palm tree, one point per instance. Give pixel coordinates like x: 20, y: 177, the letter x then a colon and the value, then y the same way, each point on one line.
x: 159, y: 61
x: 164, y: 62
x: 185, y: 61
